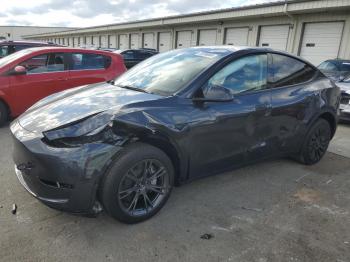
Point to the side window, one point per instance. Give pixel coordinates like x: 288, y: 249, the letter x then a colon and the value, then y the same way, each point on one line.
x: 328, y: 66
x: 46, y: 63
x: 128, y: 55
x: 21, y: 47
x: 4, y: 50
x: 81, y: 61
x: 244, y: 74
x: 288, y: 71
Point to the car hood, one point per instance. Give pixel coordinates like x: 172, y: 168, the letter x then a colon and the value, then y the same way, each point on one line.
x: 69, y: 106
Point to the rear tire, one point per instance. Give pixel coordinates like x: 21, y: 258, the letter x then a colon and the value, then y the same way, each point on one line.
x: 138, y: 184
x: 3, y: 114
x: 316, y: 143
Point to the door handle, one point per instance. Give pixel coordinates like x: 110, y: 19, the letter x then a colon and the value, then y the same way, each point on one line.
x: 62, y: 79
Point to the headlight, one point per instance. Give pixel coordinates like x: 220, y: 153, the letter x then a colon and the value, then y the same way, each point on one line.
x: 96, y: 128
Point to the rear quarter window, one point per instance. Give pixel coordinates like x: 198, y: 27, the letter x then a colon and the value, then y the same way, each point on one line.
x: 287, y: 71
x: 87, y: 61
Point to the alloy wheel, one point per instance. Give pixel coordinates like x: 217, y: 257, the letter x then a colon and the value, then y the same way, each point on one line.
x: 143, y: 187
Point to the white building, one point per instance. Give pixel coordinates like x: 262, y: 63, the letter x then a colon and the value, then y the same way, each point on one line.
x: 316, y: 30
x: 16, y: 32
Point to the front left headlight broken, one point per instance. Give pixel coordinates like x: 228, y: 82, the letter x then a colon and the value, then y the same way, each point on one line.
x: 98, y: 128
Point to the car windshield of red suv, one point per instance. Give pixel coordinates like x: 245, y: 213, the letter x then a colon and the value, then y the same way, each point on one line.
x: 10, y: 58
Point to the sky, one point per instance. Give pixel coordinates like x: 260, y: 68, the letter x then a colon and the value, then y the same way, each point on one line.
x: 84, y: 13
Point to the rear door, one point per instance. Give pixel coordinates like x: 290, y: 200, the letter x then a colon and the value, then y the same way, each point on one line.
x: 87, y: 68
x: 291, y: 100
x: 46, y: 74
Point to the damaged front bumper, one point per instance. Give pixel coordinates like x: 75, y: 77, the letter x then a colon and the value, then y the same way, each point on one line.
x: 66, y: 179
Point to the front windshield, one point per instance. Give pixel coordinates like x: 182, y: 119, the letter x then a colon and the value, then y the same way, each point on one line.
x: 10, y: 58
x: 167, y: 73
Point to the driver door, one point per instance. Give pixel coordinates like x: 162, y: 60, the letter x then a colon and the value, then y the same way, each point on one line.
x: 239, y: 130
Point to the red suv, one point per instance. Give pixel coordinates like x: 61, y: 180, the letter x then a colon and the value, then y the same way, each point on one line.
x: 32, y: 74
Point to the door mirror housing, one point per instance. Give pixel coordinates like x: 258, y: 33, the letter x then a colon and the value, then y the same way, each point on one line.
x: 215, y: 93
x: 19, y: 70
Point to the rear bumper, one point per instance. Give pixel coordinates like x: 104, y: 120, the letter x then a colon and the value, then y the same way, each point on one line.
x: 62, y: 178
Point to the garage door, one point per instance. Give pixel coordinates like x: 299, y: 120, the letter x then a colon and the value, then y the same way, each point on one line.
x: 96, y: 40
x: 113, y: 41
x: 207, y: 37
x: 148, y: 40
x: 164, y: 42
x: 134, y: 41
x: 75, y: 41
x: 184, y: 39
x: 104, y: 41
x: 71, y: 44
x: 82, y: 41
x: 88, y: 41
x: 237, y: 36
x: 274, y: 36
x: 321, y: 41
x: 123, y: 42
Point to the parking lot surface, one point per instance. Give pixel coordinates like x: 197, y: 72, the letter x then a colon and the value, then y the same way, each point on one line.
x: 277, y: 210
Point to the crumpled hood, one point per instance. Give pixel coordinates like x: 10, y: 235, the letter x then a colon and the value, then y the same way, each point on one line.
x: 78, y: 103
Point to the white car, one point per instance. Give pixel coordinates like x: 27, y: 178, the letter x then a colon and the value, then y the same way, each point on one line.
x: 339, y: 71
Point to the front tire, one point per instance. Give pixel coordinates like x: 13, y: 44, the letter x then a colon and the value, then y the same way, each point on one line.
x: 3, y: 114
x: 138, y: 184
x: 316, y: 143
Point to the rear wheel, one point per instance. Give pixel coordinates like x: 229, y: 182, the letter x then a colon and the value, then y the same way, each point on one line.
x: 3, y: 114
x: 138, y: 184
x: 316, y: 143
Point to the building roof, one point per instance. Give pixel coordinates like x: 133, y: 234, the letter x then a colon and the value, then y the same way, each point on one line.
x: 271, y: 8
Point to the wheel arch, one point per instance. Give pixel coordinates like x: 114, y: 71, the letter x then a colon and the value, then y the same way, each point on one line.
x: 2, y: 100
x: 331, y: 119
x: 170, y: 150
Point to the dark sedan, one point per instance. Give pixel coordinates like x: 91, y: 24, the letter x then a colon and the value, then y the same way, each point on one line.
x: 178, y: 116
x: 134, y: 56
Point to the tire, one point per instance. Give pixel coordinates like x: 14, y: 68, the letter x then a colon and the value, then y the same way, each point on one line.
x: 316, y: 143
x: 3, y: 114
x: 140, y: 172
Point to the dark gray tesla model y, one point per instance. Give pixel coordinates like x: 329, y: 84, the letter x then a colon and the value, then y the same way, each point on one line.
x: 122, y: 146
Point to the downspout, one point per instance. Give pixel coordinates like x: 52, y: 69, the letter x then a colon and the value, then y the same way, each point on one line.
x: 285, y: 10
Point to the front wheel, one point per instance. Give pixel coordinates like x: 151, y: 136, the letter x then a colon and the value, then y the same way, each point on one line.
x: 138, y: 184
x: 316, y: 143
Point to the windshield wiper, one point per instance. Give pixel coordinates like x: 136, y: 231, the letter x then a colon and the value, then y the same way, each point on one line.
x: 133, y: 88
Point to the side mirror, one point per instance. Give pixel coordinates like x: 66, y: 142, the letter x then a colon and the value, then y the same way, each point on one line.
x: 19, y: 70
x: 215, y: 93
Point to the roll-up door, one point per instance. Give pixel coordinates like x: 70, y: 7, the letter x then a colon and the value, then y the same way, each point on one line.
x: 123, y: 42
x: 237, y: 36
x: 275, y: 37
x: 183, y: 39
x: 321, y: 41
x: 207, y: 37
x: 148, y: 40
x: 164, y: 41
